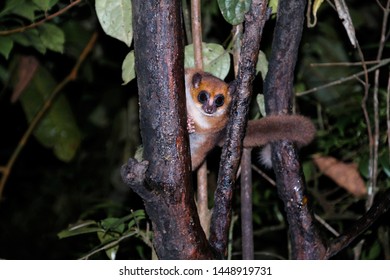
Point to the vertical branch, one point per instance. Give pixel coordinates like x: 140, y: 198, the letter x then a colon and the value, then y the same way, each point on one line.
x: 383, y: 205
x: 374, y: 143
x: 187, y: 21
x: 197, y: 32
x: 237, y: 36
x: 202, y: 189
x: 231, y: 152
x: 246, y: 206
x: 166, y: 187
x: 388, y: 113
x: 246, y: 169
x: 278, y: 90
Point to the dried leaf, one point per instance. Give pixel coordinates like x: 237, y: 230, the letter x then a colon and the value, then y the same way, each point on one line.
x: 346, y: 175
x: 343, y: 12
x: 27, y: 67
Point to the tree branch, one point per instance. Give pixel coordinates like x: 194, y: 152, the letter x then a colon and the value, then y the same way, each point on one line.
x: 45, y: 107
x: 42, y: 21
x: 231, y: 152
x: 246, y: 206
x: 345, y: 79
x: 166, y: 187
x: 278, y: 90
x: 359, y: 226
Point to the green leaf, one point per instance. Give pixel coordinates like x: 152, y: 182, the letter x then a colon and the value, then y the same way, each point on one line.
x: 136, y: 216
x: 10, y: 6
x: 262, y: 65
x: 26, y: 10
x: 75, y: 41
x: 373, y: 252
x: 29, y: 38
x: 45, y: 4
x: 4, y: 74
x: 364, y: 166
x: 216, y: 59
x: 385, y: 163
x: 58, y: 129
x: 273, y: 4
x: 81, y: 227
x: 115, y: 18
x: 261, y: 103
x: 106, y: 238
x: 6, y: 44
x: 69, y: 233
x: 234, y: 10
x: 128, y: 68
x: 52, y: 37
x: 113, y: 224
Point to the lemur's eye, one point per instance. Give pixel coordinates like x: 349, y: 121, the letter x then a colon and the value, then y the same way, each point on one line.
x: 219, y: 100
x: 203, y: 96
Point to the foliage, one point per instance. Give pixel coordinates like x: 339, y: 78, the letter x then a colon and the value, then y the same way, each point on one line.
x: 110, y: 231
x: 92, y: 127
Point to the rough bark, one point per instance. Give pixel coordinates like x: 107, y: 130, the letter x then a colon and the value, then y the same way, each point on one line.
x: 278, y: 90
x: 246, y: 206
x: 360, y: 226
x: 163, y: 179
x: 231, y: 152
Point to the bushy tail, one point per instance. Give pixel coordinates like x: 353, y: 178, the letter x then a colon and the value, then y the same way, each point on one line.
x: 296, y: 128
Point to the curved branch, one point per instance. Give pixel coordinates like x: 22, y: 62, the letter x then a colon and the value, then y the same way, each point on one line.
x: 359, y: 226
x: 42, y: 21
x: 278, y: 90
x: 45, y: 107
x: 231, y: 152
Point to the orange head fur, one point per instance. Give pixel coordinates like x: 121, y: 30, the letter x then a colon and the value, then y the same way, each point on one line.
x: 208, y: 99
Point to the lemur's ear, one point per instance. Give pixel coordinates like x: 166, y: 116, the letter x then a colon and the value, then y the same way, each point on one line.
x: 196, y: 79
x: 232, y: 87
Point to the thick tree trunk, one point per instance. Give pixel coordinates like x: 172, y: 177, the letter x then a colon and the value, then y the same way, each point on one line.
x: 166, y: 188
x: 278, y: 90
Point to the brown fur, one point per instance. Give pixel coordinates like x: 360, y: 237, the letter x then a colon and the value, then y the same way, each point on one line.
x: 295, y: 128
x: 207, y: 131
x: 207, y: 128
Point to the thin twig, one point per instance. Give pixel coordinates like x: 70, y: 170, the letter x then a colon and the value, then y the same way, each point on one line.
x: 237, y: 31
x: 38, y: 23
x: 202, y: 201
x: 187, y: 22
x: 264, y: 175
x: 344, y: 79
x: 347, y: 64
x: 318, y: 218
x: 380, y: 5
x: 197, y: 32
x: 360, y: 226
x: 45, y: 107
x: 326, y: 225
x: 388, y: 113
x: 202, y: 190
x: 374, y: 143
x: 110, y: 244
x: 331, y: 4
